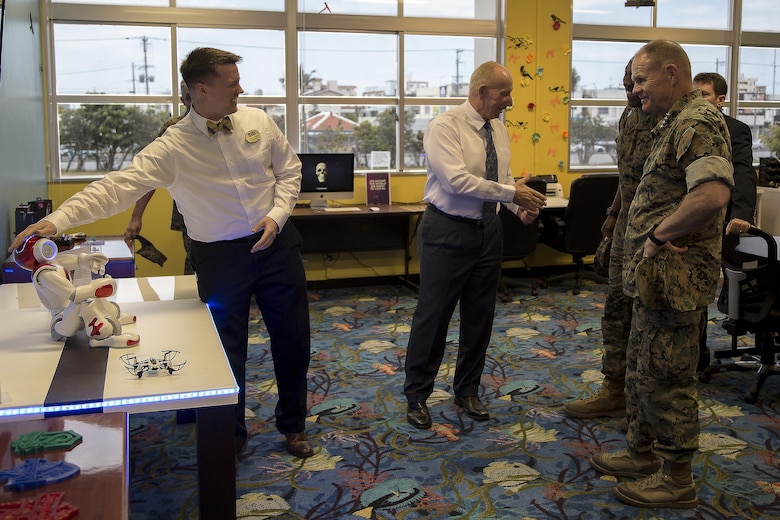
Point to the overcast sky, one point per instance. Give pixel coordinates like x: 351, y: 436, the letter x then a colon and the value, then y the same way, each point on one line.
x: 119, y: 59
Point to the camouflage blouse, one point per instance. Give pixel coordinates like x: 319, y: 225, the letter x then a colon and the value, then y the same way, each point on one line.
x: 633, y: 145
x: 691, y: 146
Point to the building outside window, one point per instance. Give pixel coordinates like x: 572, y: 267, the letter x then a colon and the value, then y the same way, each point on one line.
x: 737, y: 39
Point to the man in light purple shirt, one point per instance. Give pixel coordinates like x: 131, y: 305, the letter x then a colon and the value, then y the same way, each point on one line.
x: 460, y: 241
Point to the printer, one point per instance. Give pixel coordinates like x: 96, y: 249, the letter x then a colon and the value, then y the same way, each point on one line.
x: 554, y: 188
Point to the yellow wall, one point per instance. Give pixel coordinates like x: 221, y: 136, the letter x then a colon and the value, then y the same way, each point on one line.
x: 538, y: 126
x: 538, y: 53
x: 538, y: 42
x: 156, y: 227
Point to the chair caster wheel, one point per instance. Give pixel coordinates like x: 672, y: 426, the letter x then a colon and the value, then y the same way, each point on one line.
x: 750, y: 398
x: 704, y: 377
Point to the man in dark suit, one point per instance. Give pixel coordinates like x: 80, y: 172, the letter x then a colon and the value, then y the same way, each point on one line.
x: 740, y: 210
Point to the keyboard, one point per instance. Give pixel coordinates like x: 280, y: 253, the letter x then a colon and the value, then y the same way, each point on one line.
x: 340, y: 209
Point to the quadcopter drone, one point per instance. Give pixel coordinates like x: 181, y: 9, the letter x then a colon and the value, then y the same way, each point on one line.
x: 138, y: 367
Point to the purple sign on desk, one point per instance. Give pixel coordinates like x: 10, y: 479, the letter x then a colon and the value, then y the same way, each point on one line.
x: 377, y: 188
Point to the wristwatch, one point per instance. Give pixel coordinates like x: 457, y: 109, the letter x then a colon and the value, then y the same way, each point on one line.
x: 612, y: 212
x: 653, y: 239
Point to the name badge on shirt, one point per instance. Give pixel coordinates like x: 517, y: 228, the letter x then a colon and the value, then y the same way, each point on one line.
x: 252, y: 136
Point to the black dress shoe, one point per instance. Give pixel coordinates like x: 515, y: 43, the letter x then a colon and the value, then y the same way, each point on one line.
x: 299, y: 445
x: 473, y: 407
x: 418, y: 416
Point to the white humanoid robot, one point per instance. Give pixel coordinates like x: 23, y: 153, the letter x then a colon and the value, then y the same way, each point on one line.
x: 78, y: 305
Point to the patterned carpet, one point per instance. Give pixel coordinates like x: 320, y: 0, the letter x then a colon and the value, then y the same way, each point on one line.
x: 528, y: 462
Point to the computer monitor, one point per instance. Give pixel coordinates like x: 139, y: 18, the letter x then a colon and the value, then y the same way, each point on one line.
x: 327, y: 176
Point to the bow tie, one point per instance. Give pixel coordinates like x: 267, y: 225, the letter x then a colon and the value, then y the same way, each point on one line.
x: 223, y: 124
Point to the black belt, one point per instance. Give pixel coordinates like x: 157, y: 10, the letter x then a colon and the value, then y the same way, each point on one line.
x: 465, y: 220
x: 254, y: 237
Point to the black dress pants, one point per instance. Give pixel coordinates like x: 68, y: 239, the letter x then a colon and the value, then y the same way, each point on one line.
x: 460, y: 259
x: 228, y: 277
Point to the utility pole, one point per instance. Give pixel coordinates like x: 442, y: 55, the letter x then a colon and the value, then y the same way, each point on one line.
x: 144, y: 77
x: 774, y: 70
x: 457, y: 77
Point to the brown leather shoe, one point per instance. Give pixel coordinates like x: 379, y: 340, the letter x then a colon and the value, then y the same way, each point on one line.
x: 298, y: 445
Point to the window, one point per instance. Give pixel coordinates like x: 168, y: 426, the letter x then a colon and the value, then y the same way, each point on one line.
x: 603, y: 43
x: 262, y: 55
x: 760, y: 15
x: 112, y: 59
x: 349, y: 7
x: 609, y: 12
x: 759, y: 93
x: 467, y: 9
x: 333, y: 83
x: 440, y: 66
x: 694, y: 14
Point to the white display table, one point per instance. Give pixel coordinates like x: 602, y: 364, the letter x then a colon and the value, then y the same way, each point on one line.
x: 35, y: 381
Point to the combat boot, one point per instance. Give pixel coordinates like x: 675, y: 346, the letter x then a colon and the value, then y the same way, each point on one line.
x: 626, y: 463
x: 671, y: 486
x: 609, y: 401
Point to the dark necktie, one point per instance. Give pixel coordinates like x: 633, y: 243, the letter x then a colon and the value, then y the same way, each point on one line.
x: 491, y: 174
x: 223, y: 124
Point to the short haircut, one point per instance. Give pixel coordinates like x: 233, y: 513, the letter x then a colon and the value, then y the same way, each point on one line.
x: 717, y: 81
x: 485, y: 74
x: 663, y: 52
x: 200, y: 65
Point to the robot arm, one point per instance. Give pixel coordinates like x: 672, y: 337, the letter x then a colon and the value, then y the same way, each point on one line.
x: 53, y: 287
x: 95, y: 262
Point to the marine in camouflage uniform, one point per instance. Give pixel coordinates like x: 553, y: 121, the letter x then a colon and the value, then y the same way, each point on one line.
x: 671, y: 289
x: 634, y: 142
x: 633, y: 145
x: 671, y: 269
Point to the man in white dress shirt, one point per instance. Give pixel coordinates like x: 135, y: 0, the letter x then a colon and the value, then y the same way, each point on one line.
x: 460, y: 240
x: 235, y: 179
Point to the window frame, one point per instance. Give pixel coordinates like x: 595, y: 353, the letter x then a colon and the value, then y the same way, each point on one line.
x: 290, y: 21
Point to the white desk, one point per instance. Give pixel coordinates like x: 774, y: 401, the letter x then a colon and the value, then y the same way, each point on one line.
x: 169, y: 317
x: 556, y: 202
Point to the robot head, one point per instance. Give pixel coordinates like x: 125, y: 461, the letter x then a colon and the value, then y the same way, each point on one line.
x: 34, y: 252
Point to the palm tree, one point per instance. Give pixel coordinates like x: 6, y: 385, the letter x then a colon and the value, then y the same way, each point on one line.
x: 305, y: 78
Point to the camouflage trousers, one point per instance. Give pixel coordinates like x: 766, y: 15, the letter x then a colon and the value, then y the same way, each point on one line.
x: 616, y: 322
x: 661, y: 391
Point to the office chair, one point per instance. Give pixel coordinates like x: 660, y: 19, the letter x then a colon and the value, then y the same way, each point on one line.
x: 519, y: 241
x: 578, y: 231
x: 749, y: 298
